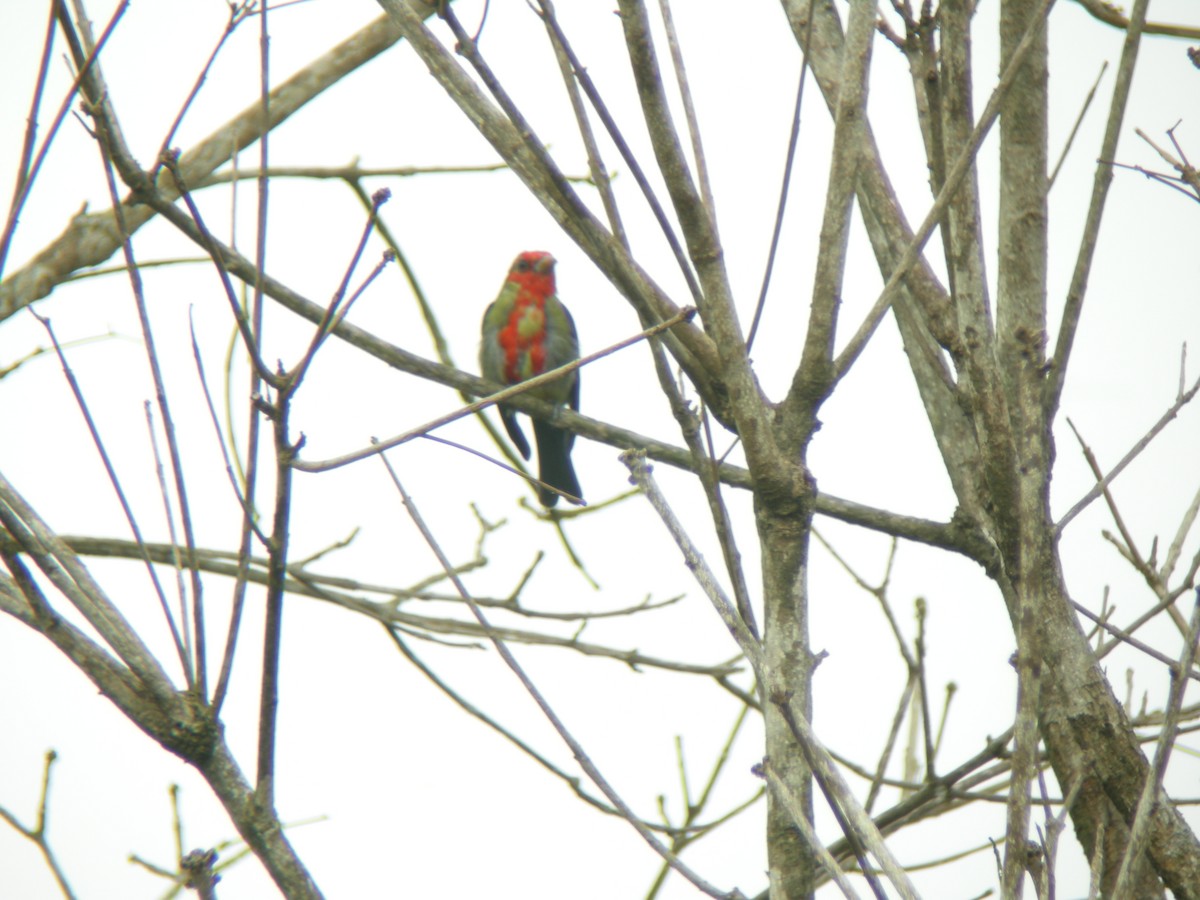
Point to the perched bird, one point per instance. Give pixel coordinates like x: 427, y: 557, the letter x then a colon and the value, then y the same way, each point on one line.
x: 527, y: 331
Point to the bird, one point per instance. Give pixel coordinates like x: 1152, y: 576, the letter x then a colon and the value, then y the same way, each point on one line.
x: 528, y: 331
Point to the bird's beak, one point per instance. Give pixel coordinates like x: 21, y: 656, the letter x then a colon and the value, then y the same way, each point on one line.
x: 545, y: 265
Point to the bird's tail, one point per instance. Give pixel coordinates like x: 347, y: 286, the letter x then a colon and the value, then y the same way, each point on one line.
x: 554, y: 462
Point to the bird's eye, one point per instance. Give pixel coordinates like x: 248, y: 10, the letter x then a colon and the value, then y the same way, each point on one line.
x: 523, y: 265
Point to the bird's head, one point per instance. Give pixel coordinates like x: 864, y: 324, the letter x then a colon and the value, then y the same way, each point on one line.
x: 534, y: 270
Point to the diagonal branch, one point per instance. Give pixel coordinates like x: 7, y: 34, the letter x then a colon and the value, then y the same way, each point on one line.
x: 91, y: 238
x: 813, y: 378
x: 857, y: 825
x: 1165, y: 419
x: 748, y: 407
x: 954, y: 178
x: 529, y: 160
x: 556, y: 722
x: 64, y: 570
x: 1091, y: 228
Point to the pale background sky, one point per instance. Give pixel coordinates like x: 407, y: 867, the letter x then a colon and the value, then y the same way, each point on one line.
x: 420, y: 800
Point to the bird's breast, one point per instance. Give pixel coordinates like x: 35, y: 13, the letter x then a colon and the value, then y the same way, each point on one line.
x: 523, y: 339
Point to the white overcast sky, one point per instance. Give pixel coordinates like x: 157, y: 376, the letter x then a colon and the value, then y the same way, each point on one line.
x: 418, y: 799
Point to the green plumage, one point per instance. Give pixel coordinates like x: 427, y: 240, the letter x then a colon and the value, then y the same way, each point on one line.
x: 528, y: 331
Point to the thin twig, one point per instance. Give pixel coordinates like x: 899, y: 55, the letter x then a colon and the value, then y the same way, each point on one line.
x: 1151, y: 795
x: 858, y: 824
x: 1176, y: 548
x: 279, y: 414
x: 1073, y: 308
x: 1187, y: 174
x: 243, y: 501
x: 238, y: 13
x: 785, y: 181
x: 471, y: 709
x: 37, y: 833
x: 596, y: 167
x: 1087, y: 103
x: 954, y: 177
x: 164, y: 494
x: 24, y: 172
x: 89, y: 238
x: 923, y: 691
x: 83, y: 69
x: 1144, y: 567
x: 335, y: 312
x: 815, y: 376
x: 1126, y: 637
x: 889, y: 745
x: 1129, y: 457
x: 498, y: 397
x: 211, y: 246
x: 577, y: 749
x: 115, y: 154
x: 706, y: 469
x: 182, y: 645
x: 635, y: 168
x: 792, y: 803
x: 688, y: 832
x: 689, y: 112
x: 1111, y: 14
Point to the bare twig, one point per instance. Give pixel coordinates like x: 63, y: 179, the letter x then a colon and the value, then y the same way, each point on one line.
x: 29, y: 171
x: 164, y: 494
x: 954, y: 177
x: 877, y: 777
x: 857, y: 823
x: 336, y: 311
x: 90, y: 238
x: 498, y: 397
x: 1111, y: 14
x: 211, y: 246
x: 238, y: 13
x: 1144, y: 567
x: 350, y: 595
x: 115, y: 153
x: 1151, y: 792
x: 1185, y: 526
x: 24, y: 170
x: 1087, y: 103
x: 279, y: 413
x: 689, y: 111
x: 1129, y: 457
x: 923, y: 691
x: 572, y: 781
x: 786, y: 182
x: 635, y: 167
x: 688, y: 832
x: 599, y: 174
x: 38, y: 834
x: 787, y: 799
x: 576, y: 748
x: 1187, y: 173
x: 1091, y: 229
x: 182, y: 645
x: 815, y: 375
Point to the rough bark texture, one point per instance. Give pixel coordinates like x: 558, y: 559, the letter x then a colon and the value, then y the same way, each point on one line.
x: 993, y: 430
x: 981, y: 374
x: 784, y: 535
x: 1084, y: 727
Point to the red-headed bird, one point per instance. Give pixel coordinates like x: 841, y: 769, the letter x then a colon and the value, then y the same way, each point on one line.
x: 527, y: 331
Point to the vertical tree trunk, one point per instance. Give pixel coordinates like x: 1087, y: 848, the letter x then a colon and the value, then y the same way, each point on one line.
x: 785, y: 540
x: 1079, y: 717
